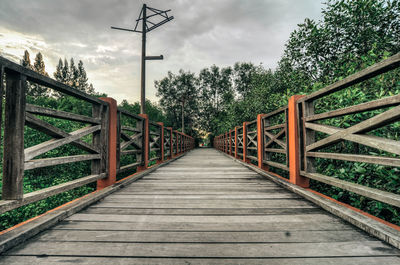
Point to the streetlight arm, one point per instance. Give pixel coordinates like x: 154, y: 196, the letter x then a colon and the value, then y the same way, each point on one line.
x: 154, y: 57
x: 131, y: 30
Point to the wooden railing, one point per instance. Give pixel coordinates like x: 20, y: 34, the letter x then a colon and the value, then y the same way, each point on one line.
x: 286, y: 139
x: 107, y: 135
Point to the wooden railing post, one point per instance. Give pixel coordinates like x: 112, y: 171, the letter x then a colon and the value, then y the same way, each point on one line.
x: 112, y: 145
x: 230, y: 142
x: 260, y: 142
x: 236, y: 142
x: 245, y: 142
x: 145, y: 143
x: 161, y: 142
x: 13, y: 163
x: 176, y: 143
x: 100, y: 139
x: 294, y: 144
x: 171, y: 146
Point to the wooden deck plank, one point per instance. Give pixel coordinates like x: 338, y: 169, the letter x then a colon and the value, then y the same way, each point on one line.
x: 200, y: 219
x: 310, y: 225
x: 218, y: 250
x: 278, y: 203
x: 206, y: 211
x: 203, y: 209
x: 204, y: 237
x: 207, y: 197
x: 49, y: 260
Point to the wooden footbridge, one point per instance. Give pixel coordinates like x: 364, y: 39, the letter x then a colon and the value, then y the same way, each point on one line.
x: 160, y: 201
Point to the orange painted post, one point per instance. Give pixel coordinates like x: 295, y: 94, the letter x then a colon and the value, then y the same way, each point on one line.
x: 161, y: 142
x: 177, y: 142
x: 230, y: 142
x: 112, y: 145
x: 145, y: 144
x: 236, y: 142
x: 260, y: 142
x: 245, y: 142
x: 294, y: 145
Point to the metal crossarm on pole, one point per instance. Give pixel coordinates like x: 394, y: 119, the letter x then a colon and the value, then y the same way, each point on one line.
x: 147, y: 26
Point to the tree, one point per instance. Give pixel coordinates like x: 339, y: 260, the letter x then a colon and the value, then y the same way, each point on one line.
x: 35, y: 90
x: 348, y: 31
x: 154, y: 111
x: 242, y: 76
x: 73, y: 76
x: 59, y: 74
x: 216, y: 94
x: 179, y: 93
x: 26, y: 61
x: 82, y: 79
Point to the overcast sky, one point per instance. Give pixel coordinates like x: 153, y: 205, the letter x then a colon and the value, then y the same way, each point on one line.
x: 203, y: 33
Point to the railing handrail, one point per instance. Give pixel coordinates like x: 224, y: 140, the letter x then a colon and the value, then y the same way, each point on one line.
x: 110, y: 138
x: 301, y: 146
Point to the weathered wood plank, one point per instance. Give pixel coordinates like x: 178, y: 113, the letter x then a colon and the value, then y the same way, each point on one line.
x: 201, y: 219
x: 380, y: 143
x: 45, y: 162
x: 331, y: 249
x: 276, y: 164
x: 202, y: 212
x: 130, y: 152
x: 13, y: 164
x: 191, y: 211
x: 377, y: 121
x: 44, y: 147
x: 198, y: 237
x: 131, y: 140
x: 47, y: 81
x: 55, y: 132
x: 275, y: 138
x: 42, y: 111
x: 128, y: 128
x: 154, y: 225
x: 380, y: 160
x: 51, y: 260
x: 129, y: 167
x: 383, y: 196
x: 368, y: 106
x: 369, y: 72
x: 47, y: 192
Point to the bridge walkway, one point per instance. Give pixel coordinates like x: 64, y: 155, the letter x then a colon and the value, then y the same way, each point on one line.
x: 203, y: 208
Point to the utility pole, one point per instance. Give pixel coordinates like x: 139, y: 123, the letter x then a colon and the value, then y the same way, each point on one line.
x: 143, y: 75
x: 144, y: 17
x: 183, y: 115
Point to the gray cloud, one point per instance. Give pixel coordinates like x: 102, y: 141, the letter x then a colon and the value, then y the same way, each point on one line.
x: 204, y: 32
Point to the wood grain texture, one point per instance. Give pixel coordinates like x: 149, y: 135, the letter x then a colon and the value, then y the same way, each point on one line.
x: 203, y: 209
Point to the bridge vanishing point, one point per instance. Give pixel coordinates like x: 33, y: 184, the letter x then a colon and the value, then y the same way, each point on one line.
x: 183, y: 205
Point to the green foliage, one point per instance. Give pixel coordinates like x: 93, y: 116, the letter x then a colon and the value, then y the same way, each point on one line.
x: 73, y: 76
x: 179, y: 93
